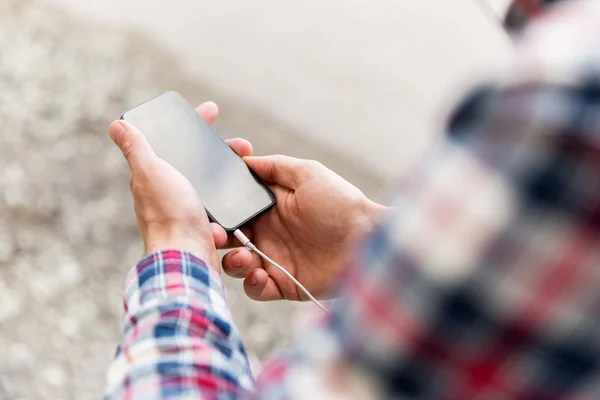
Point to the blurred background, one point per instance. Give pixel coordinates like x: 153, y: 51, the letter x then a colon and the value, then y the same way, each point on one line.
x: 361, y: 85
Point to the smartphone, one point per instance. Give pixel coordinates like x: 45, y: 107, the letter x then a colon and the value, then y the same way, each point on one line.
x: 231, y: 193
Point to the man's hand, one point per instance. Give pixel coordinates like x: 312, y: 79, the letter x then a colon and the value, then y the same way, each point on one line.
x: 318, y: 216
x: 168, y: 209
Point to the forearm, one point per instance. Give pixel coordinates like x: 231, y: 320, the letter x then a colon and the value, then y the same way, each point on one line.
x: 178, y: 338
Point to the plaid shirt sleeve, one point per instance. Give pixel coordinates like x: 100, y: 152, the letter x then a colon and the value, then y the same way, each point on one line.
x: 483, y: 282
x: 521, y: 12
x: 178, y: 340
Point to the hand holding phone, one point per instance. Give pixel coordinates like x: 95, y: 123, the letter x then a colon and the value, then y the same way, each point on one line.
x: 307, y: 233
x: 311, y: 230
x: 169, y: 212
x: 231, y: 193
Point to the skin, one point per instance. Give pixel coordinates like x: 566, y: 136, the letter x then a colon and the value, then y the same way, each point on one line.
x: 318, y: 215
x: 317, y: 218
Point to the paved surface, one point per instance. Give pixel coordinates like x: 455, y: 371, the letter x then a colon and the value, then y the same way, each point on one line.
x: 369, y: 78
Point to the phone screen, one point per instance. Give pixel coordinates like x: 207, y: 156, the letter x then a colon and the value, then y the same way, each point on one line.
x: 230, y: 192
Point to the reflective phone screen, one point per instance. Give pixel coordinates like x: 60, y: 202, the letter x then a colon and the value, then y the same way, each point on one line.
x: 230, y: 192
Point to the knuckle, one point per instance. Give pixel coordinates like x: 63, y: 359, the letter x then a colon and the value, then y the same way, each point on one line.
x: 127, y: 145
x: 275, y: 159
x: 274, y: 165
x: 313, y: 165
x: 277, y: 170
x: 139, y: 184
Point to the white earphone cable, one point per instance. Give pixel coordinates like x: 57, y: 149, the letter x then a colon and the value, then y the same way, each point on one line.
x: 247, y: 243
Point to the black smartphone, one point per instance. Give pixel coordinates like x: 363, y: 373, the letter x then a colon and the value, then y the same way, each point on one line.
x: 231, y: 193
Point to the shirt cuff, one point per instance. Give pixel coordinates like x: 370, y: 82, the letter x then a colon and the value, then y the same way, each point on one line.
x: 175, y: 274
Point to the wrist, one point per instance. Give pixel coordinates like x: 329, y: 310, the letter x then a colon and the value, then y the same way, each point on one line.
x: 153, y: 245
x: 165, y: 239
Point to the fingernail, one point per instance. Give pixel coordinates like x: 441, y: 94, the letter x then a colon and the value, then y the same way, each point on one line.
x: 235, y: 260
x: 212, y: 105
x: 116, y: 131
x: 253, y: 280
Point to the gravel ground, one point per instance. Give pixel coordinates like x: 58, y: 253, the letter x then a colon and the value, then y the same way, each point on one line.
x: 67, y: 229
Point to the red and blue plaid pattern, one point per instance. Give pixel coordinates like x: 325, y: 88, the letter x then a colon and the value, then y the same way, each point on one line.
x: 521, y: 11
x: 483, y: 283
x: 178, y: 340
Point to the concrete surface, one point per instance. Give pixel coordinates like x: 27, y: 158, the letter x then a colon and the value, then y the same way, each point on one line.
x: 367, y: 78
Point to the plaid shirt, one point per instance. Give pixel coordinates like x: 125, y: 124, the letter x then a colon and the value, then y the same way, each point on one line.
x: 521, y: 12
x: 481, y: 284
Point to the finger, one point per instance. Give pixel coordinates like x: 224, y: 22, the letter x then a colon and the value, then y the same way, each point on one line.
x: 261, y: 287
x: 285, y: 171
x: 241, y: 263
x: 241, y: 146
x: 209, y: 111
x: 133, y: 144
x: 219, y: 235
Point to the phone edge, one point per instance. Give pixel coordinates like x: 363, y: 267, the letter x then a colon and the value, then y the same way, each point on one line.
x: 257, y: 214
x: 147, y: 101
x: 229, y: 230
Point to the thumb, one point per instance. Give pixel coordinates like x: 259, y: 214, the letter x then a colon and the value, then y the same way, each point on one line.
x: 133, y: 144
x: 285, y: 171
